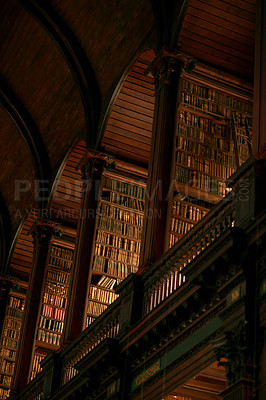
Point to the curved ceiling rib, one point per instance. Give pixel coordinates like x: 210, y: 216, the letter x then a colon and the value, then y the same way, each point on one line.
x: 28, y: 130
x: 75, y: 58
x: 168, y: 16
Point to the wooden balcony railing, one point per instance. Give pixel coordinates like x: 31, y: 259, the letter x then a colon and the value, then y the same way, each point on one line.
x: 156, y: 284
x: 105, y: 326
x: 165, y: 275
x: 34, y: 390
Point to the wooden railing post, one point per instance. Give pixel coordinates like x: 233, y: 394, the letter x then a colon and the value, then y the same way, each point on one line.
x: 131, y: 297
x: 52, y: 368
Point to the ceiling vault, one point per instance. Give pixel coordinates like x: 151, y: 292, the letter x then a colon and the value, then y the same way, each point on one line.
x: 75, y: 58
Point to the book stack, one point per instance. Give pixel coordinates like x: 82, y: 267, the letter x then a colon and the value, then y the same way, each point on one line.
x: 117, y: 239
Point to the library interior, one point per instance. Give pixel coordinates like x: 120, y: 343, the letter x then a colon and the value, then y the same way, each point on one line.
x: 132, y: 200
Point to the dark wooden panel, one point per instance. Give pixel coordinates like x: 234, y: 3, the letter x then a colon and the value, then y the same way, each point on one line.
x: 224, y: 51
x: 129, y: 126
x: 212, y: 34
x: 237, y: 7
x: 226, y: 12
x: 216, y: 20
x: 126, y: 105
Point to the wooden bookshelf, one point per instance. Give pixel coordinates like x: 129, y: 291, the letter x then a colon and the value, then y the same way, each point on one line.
x: 39, y: 355
x: 10, y: 339
x: 54, y: 300
x: 212, y: 140
x: 117, y: 239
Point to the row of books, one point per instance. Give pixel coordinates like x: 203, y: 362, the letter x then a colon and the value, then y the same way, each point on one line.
x: 16, y: 302
x: 209, y: 138
x: 189, y: 211
x: 61, y: 264
x: 36, y: 365
x: 119, y: 227
x: 107, y: 282
x: 210, y: 107
x: 104, y: 296
x: 117, y: 241
x: 7, y: 353
x: 216, y: 96
x: 12, y: 323
x: 89, y: 320
x: 202, y: 128
x: 173, y: 239
x: 122, y: 200
x: 129, y: 216
x: 117, y: 254
x: 11, y: 333
x: 58, y: 276
x: 51, y: 324
x: 197, y: 121
x: 5, y: 380
x: 4, y: 393
x: 179, y: 226
x: 6, y: 366
x: 124, y: 187
x: 112, y: 267
x: 65, y: 254
x: 200, y: 181
x: 206, y: 150
x: 11, y: 343
x: 52, y: 299
x: 56, y: 288
x: 204, y: 165
x: 12, y: 312
x: 48, y: 337
x: 95, y: 308
x: 53, y: 312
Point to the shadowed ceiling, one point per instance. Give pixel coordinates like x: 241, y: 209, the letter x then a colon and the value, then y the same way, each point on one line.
x: 61, y: 62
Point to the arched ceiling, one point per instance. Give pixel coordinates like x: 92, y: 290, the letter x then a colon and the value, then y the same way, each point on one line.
x: 39, y: 66
x: 221, y: 33
x: 62, y: 61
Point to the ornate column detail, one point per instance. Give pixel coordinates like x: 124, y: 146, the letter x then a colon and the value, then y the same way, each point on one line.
x: 42, y: 231
x: 92, y: 165
x: 166, y: 68
x: 234, y: 349
x: 235, y: 354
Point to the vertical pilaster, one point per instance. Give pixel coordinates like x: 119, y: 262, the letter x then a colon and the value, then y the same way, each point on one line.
x: 92, y: 168
x: 166, y: 70
x: 42, y: 232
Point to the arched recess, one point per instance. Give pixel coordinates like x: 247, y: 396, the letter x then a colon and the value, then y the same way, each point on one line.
x: 76, y: 60
x: 128, y: 124
x: 21, y: 254
x: 66, y: 193
x: 64, y: 206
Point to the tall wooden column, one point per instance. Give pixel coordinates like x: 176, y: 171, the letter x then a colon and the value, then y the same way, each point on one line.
x: 259, y: 109
x: 92, y: 167
x: 166, y: 69
x: 42, y: 232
